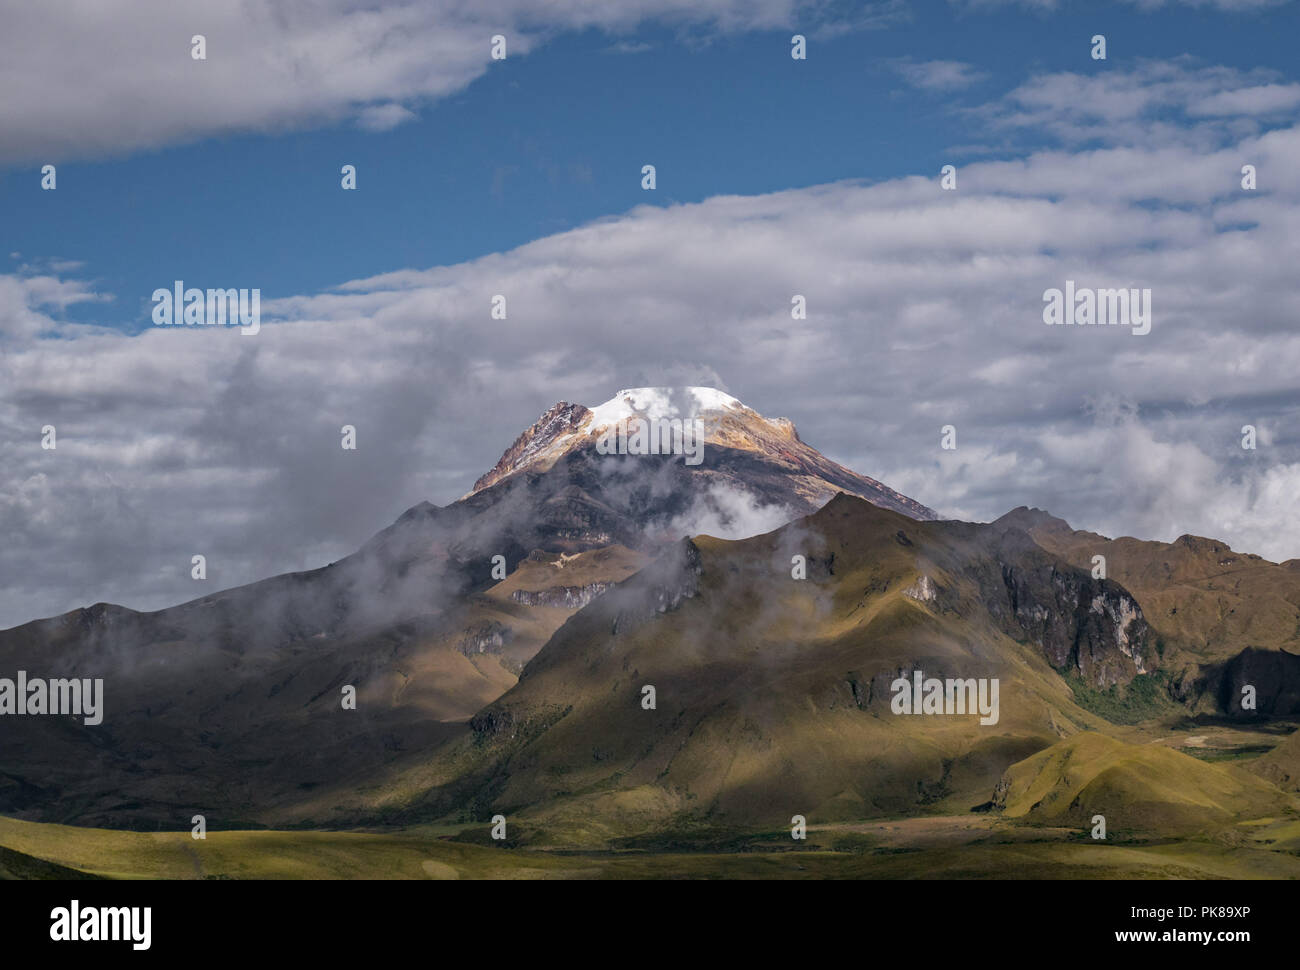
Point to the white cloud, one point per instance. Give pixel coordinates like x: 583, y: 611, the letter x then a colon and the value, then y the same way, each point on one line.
x: 939, y: 75
x: 91, y: 79
x: 1158, y: 102
x: 629, y: 47
x: 384, y: 117
x: 1229, y: 6
x: 1262, y: 99
x: 1041, y: 5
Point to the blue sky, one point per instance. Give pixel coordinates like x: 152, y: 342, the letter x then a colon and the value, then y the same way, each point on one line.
x: 522, y: 177
x: 551, y: 139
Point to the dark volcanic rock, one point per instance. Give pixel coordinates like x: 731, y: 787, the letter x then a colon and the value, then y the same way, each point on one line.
x: 1275, y: 675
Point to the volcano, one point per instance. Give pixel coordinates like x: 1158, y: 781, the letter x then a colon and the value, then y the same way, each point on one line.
x: 232, y: 700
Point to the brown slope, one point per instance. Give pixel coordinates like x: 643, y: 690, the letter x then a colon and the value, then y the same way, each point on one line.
x: 773, y: 693
x: 1139, y: 789
x: 1224, y: 619
x: 761, y: 456
x: 1281, y: 766
x: 243, y: 734
x: 232, y: 700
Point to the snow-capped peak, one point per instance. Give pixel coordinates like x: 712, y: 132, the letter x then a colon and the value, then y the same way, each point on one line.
x: 761, y: 450
x: 660, y: 402
x: 721, y: 420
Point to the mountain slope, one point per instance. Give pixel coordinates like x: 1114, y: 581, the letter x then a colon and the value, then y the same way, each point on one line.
x: 1139, y: 789
x: 1222, y: 619
x: 773, y: 693
x: 232, y: 702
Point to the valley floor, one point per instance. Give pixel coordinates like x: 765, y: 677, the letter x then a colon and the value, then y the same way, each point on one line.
x: 948, y: 847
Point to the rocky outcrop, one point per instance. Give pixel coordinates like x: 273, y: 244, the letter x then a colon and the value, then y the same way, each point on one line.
x: 564, y: 597
x: 1274, y: 675
x: 499, y: 721
x: 874, y: 692
x: 559, y: 420
x: 485, y: 638
x: 1092, y: 627
x: 661, y: 587
x: 923, y: 590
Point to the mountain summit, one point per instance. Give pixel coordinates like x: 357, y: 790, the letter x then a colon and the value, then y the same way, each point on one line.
x: 781, y: 469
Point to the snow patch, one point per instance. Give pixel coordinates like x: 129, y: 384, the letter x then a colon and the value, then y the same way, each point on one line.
x: 660, y: 402
x: 923, y: 590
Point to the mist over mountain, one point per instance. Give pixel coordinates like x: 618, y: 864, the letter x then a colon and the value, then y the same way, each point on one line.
x: 232, y: 698
x: 499, y: 650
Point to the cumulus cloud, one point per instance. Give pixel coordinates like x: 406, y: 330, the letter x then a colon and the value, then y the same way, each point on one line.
x: 1041, y: 5
x: 629, y: 47
x: 384, y: 117
x: 1227, y: 6
x: 1158, y: 102
x: 924, y: 309
x: 83, y: 80
x: 938, y: 75
x: 1230, y: 6
x: 28, y: 297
